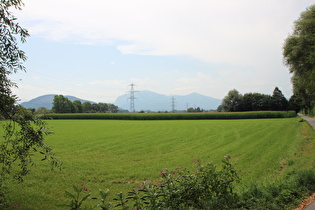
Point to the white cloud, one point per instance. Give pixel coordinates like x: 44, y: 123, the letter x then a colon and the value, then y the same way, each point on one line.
x: 241, y: 31
x: 244, y: 34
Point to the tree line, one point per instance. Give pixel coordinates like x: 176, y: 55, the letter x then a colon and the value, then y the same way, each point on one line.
x: 299, y: 56
x: 198, y: 109
x: 236, y: 102
x: 62, y: 104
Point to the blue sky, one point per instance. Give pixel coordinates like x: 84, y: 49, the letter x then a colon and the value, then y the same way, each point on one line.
x: 94, y: 49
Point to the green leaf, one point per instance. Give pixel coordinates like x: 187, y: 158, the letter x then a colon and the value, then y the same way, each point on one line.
x: 69, y: 195
x: 63, y: 205
x: 104, y: 194
x: 85, y: 197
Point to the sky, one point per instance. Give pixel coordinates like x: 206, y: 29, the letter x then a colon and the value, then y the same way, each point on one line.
x: 95, y: 49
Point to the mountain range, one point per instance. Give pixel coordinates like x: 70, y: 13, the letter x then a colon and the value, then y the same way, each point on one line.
x: 47, y: 101
x: 144, y: 100
x: 151, y: 101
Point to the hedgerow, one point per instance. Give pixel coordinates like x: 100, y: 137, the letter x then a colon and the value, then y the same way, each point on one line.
x: 174, y: 116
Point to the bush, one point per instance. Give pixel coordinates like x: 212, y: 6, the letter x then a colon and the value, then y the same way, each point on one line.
x: 280, y: 195
x: 209, y: 187
x: 306, y: 180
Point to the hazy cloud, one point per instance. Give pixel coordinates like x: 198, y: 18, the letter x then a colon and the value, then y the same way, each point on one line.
x: 216, y: 31
x: 245, y: 35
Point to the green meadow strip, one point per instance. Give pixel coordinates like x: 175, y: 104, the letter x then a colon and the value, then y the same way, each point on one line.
x: 173, y: 116
x: 120, y: 155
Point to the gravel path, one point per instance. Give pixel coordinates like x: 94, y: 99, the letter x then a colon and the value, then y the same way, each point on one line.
x: 310, y: 120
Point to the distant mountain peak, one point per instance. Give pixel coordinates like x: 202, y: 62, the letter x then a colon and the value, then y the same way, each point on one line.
x: 194, y: 93
x: 151, y: 101
x: 145, y: 100
x: 47, y: 101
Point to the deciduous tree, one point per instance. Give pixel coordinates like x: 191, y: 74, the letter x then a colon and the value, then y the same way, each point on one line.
x: 112, y: 108
x: 299, y: 56
x: 86, y: 107
x: 295, y: 103
x: 232, y: 102
x: 62, y: 104
x: 23, y: 132
x: 256, y: 102
x: 77, y: 106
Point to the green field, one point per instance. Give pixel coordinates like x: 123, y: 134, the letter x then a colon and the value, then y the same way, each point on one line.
x: 120, y: 154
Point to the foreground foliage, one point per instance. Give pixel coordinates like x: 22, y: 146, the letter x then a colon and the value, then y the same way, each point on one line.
x: 285, y: 194
x: 23, y: 133
x: 209, y: 187
x: 23, y: 136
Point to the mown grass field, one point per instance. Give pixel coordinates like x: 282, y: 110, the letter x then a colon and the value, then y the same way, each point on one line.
x: 120, y: 154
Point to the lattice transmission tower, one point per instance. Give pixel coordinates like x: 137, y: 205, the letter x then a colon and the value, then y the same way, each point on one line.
x: 132, y: 97
x: 173, y: 104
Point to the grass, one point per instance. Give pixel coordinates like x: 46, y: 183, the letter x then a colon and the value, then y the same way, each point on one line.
x: 120, y: 155
x: 174, y: 116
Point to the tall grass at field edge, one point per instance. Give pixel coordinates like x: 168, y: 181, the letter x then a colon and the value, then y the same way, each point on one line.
x: 174, y: 116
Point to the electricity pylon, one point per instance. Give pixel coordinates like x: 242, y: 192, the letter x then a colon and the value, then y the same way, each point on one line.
x: 132, y: 97
x: 173, y: 104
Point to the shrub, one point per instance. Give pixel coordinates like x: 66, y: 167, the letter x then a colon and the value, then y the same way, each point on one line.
x: 209, y: 187
x: 306, y: 179
x: 283, y: 194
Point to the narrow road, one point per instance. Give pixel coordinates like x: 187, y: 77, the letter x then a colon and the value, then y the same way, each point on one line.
x: 311, y: 121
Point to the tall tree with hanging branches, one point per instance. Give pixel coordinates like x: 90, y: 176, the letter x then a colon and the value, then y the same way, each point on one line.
x: 299, y: 56
x: 23, y: 133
